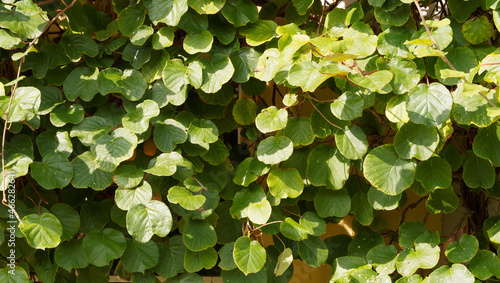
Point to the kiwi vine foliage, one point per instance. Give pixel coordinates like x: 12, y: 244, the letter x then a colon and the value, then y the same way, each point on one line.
x: 120, y: 120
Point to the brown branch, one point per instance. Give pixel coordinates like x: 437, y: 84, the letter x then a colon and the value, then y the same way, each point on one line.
x: 431, y: 36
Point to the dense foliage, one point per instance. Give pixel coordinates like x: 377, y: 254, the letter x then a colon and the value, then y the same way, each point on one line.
x: 120, y: 155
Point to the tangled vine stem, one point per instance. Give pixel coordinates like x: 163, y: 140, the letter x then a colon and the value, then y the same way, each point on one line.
x: 13, y: 91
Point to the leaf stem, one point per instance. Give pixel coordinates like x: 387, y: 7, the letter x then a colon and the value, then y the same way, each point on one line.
x: 314, y: 106
x: 269, y: 223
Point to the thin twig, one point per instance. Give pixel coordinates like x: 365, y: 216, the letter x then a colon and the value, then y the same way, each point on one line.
x: 321, y: 17
x: 314, y: 106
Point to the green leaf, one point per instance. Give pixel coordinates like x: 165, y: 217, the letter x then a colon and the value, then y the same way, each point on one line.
x: 484, y: 265
x: 86, y: 173
x: 396, y: 17
x: 434, y: 173
x: 26, y: 19
x: 249, y: 255
x: 429, y: 105
x: 202, y: 131
x: 473, y: 109
x: 217, y: 153
x: 41, y: 231
x: 348, y: 106
x: 168, y: 12
x: 19, y: 275
x: 141, y: 34
x: 50, y: 98
x: 206, y: 6
x: 455, y: 273
x: 491, y: 227
x: 486, y: 144
x: 226, y: 257
x: 345, y: 265
x: 416, y: 141
x: 216, y: 72
x: 409, y: 232
x: 240, y: 12
x: 81, y: 82
x: 306, y: 75
x: 195, y: 261
x: 128, y: 176
x: 463, y: 250
x: 391, y: 41
x: 330, y: 203
x: 69, y: 255
x: 138, y: 256
x: 245, y: 62
x: 461, y: 10
x: 405, y: 74
x: 175, y: 75
x: 313, y: 251
x: 315, y: 225
x: 76, y: 45
x: 251, y: 202
x: 362, y: 208
x: 274, y: 150
x: 185, y: 198
x: 327, y: 167
x: 90, y: 129
x: 383, y: 258
x: 168, y: 134
x: 136, y: 55
x: 8, y: 40
x: 285, y: 183
x: 129, y: 82
x: 109, y: 151
x: 477, y: 30
x: 103, y: 246
x: 63, y: 114
x: 293, y: 230
x: 478, y: 172
x: 54, y: 142
x: 171, y: 261
x: 442, y: 201
x: 387, y: 171
x: 24, y: 105
x: 249, y: 170
x: 163, y: 38
x: 164, y: 164
x: 147, y: 219
x: 271, y: 119
x: 69, y: 218
x: 284, y: 261
x: 245, y: 111
x: 198, y: 235
x: 125, y: 199
x: 376, y: 82
x: 198, y: 42
x: 352, y: 142
x: 423, y: 256
x: 381, y: 201
x: 55, y: 171
x: 131, y: 18
x: 137, y: 120
x: 259, y: 32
